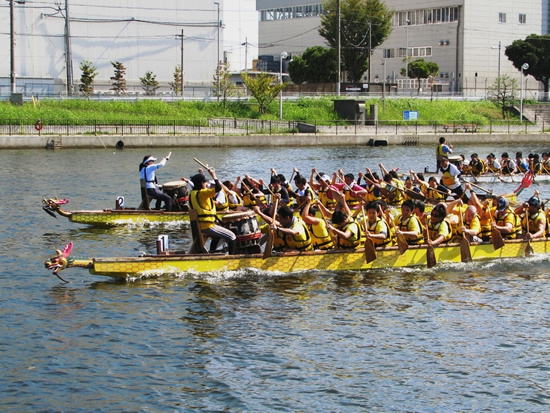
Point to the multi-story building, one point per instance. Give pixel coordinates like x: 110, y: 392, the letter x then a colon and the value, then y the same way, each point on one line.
x: 50, y: 39
x: 466, y: 38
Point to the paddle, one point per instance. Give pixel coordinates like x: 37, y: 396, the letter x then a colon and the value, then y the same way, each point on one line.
x: 489, y: 191
x: 370, y: 251
x: 402, y: 243
x: 465, y: 253
x: 269, y: 244
x: 430, y: 252
x: 496, y: 236
x: 528, y: 249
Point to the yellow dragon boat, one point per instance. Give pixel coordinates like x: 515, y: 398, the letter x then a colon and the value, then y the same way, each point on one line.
x: 332, y: 260
x: 112, y: 217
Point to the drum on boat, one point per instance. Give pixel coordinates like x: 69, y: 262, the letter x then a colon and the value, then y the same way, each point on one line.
x: 245, y: 226
x: 179, y: 193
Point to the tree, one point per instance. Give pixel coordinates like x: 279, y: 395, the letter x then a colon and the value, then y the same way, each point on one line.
x: 534, y: 50
x: 175, y: 86
x: 264, y: 87
x: 420, y: 69
x: 118, y: 80
x: 316, y: 65
x: 226, y: 88
x: 149, y: 83
x: 357, y: 16
x: 89, y: 72
x: 502, y: 92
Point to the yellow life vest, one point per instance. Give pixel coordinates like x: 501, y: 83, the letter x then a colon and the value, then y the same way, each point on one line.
x: 439, y: 150
x: 447, y: 178
x: 441, y: 228
x: 320, y: 236
x: 435, y: 194
x: 509, y: 216
x: 397, y: 199
x: 249, y: 200
x: 411, y: 224
x: 478, y: 168
x: 239, y: 202
x: 300, y: 241
x: 206, y: 212
x: 325, y: 200
x: 223, y: 207
x: 350, y: 200
x: 370, y: 194
x: 534, y: 221
x: 379, y: 227
x: 357, y: 235
x: 491, y: 167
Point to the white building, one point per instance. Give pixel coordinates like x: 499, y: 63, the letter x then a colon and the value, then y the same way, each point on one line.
x: 466, y: 38
x: 143, y: 35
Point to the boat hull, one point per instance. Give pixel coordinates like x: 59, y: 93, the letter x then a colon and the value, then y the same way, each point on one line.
x: 304, y: 261
x: 493, y: 179
x: 116, y: 217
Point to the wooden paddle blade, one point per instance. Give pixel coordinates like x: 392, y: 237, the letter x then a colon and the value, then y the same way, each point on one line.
x: 430, y: 256
x: 496, y: 238
x: 269, y: 245
x: 529, y: 249
x: 271, y: 236
x: 402, y: 244
x: 415, y: 195
x: 370, y: 251
x: 465, y: 253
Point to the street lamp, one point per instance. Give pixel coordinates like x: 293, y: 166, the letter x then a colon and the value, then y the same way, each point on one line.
x: 524, y: 66
x: 407, y: 57
x: 217, y: 3
x: 283, y: 56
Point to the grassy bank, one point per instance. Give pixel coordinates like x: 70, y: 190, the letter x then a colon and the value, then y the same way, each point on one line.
x: 307, y: 110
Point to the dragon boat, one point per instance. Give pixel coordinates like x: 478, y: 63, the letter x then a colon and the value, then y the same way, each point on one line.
x: 331, y: 260
x: 489, y: 178
x: 112, y: 217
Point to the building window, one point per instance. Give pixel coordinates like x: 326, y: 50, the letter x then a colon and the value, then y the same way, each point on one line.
x: 522, y: 18
x: 426, y: 16
x: 502, y: 17
x: 296, y: 12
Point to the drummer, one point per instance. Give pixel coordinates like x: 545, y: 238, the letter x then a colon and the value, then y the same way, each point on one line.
x: 202, y: 200
x: 147, y: 172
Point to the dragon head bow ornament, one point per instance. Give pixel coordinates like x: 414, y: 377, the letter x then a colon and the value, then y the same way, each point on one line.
x: 64, y: 260
x: 52, y: 205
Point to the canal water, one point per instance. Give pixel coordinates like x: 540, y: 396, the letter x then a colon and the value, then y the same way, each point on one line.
x: 461, y: 337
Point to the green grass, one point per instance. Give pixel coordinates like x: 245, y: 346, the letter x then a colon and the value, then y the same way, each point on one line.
x: 307, y: 109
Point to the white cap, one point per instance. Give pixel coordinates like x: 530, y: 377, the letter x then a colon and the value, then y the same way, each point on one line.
x: 149, y: 159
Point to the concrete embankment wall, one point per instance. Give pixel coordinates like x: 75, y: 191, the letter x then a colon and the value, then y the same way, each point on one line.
x: 144, y: 141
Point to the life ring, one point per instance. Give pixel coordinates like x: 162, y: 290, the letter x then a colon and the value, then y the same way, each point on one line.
x: 38, y: 125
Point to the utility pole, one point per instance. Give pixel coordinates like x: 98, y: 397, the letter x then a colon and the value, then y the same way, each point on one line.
x: 338, y: 48
x: 181, y: 64
x: 217, y: 3
x: 12, y: 46
x: 68, y: 52
x: 370, y: 51
x: 245, y: 44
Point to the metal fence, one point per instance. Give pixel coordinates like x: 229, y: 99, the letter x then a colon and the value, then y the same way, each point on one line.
x: 232, y: 127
